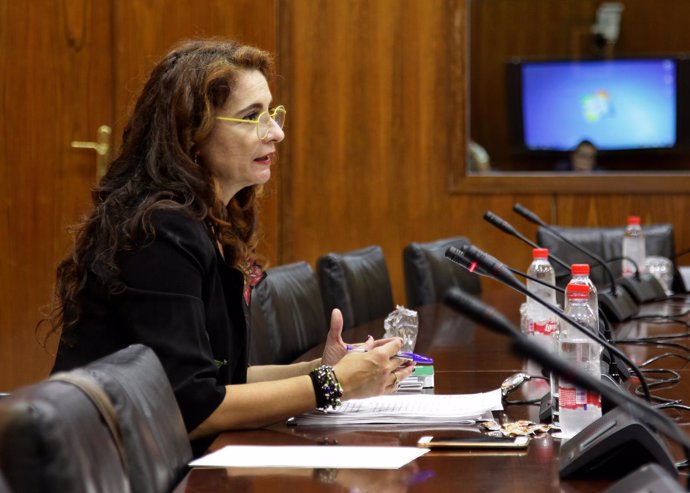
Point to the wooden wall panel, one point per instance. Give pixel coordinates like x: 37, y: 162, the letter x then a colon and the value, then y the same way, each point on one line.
x: 56, y: 80
x: 377, y: 115
x: 374, y: 93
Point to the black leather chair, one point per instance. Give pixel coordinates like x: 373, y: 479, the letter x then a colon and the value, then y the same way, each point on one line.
x: 605, y: 242
x: 154, y: 436
x: 53, y: 439
x: 356, y: 282
x: 287, y: 315
x: 429, y: 274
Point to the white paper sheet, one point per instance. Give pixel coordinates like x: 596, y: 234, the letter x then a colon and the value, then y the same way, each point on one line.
x: 430, y: 409
x: 311, y: 456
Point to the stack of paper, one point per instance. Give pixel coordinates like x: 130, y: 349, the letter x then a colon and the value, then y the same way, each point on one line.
x: 415, y: 408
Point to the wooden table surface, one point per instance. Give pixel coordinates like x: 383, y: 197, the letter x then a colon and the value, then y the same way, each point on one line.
x: 468, y: 359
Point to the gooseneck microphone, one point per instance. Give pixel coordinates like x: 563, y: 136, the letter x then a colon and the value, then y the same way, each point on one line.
x: 617, y: 367
x: 506, y: 227
x: 533, y: 218
x: 455, y: 255
x: 491, y: 265
x: 642, y: 288
x: 616, y: 302
x: 610, y: 435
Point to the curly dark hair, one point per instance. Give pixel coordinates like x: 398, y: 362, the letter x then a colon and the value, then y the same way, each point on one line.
x: 157, y: 168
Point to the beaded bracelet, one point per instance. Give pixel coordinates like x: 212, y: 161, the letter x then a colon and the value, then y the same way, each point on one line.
x: 327, y: 389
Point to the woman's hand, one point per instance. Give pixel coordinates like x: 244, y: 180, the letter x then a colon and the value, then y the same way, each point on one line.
x: 335, y: 347
x: 374, y: 372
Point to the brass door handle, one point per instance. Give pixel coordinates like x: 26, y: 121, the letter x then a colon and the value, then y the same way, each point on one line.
x: 101, y: 146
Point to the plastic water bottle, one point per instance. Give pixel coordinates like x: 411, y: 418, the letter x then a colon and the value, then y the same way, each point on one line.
x: 577, y: 407
x: 539, y: 321
x: 580, y: 275
x: 633, y: 247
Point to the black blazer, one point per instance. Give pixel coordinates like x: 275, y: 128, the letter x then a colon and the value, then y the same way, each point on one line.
x: 181, y: 300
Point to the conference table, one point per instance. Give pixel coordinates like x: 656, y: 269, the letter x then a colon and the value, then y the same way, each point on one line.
x: 467, y: 359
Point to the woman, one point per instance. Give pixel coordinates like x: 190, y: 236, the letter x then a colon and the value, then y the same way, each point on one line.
x: 167, y: 256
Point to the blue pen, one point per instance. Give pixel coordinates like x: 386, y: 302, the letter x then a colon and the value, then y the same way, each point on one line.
x: 417, y: 358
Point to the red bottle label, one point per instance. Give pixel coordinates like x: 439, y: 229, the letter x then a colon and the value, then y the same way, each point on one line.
x: 546, y: 329
x: 574, y: 398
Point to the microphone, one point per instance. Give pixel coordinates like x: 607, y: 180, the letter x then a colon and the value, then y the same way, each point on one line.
x: 609, y: 446
x: 506, y: 227
x: 617, y: 303
x: 615, y: 366
x: 456, y: 256
x: 642, y: 287
x: 490, y: 264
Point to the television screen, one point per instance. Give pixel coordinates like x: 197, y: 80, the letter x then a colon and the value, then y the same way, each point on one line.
x: 622, y: 104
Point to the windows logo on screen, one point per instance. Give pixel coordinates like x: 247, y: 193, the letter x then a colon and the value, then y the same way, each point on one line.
x: 596, y: 106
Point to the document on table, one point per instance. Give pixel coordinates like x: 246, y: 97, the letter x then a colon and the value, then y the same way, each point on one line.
x: 429, y: 409
x: 311, y: 456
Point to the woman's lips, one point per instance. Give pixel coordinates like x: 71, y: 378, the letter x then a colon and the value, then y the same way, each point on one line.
x: 264, y: 159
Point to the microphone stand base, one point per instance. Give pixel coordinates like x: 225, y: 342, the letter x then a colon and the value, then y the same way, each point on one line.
x: 618, y: 307
x: 646, y: 288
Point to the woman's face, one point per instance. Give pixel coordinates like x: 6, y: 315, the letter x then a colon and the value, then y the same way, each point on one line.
x: 233, y: 152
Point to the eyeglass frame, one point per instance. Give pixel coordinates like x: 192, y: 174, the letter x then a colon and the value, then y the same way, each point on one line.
x: 271, y: 114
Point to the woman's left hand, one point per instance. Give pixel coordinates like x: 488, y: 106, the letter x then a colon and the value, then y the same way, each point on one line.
x: 335, y: 346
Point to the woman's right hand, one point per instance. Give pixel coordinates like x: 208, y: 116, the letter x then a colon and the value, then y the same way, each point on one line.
x: 375, y: 372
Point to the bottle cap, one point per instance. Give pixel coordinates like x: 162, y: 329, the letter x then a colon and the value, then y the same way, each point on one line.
x: 634, y: 220
x: 577, y: 291
x: 579, y: 269
x: 540, y: 253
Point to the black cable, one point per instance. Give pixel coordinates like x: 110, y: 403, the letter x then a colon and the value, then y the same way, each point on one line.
x: 653, y: 341
x: 661, y: 383
x: 674, y: 405
x: 659, y: 357
x: 660, y: 315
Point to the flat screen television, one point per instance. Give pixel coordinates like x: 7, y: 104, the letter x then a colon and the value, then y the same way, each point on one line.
x: 619, y: 105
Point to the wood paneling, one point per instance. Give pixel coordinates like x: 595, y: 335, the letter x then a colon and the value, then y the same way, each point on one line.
x: 56, y: 79
x: 377, y: 115
x: 377, y: 118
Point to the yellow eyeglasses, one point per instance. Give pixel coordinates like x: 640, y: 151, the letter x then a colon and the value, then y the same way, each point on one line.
x: 263, y: 121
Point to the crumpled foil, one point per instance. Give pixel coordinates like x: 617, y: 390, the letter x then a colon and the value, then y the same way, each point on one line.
x: 403, y: 323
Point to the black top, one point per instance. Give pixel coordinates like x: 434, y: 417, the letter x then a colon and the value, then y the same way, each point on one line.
x: 181, y: 300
